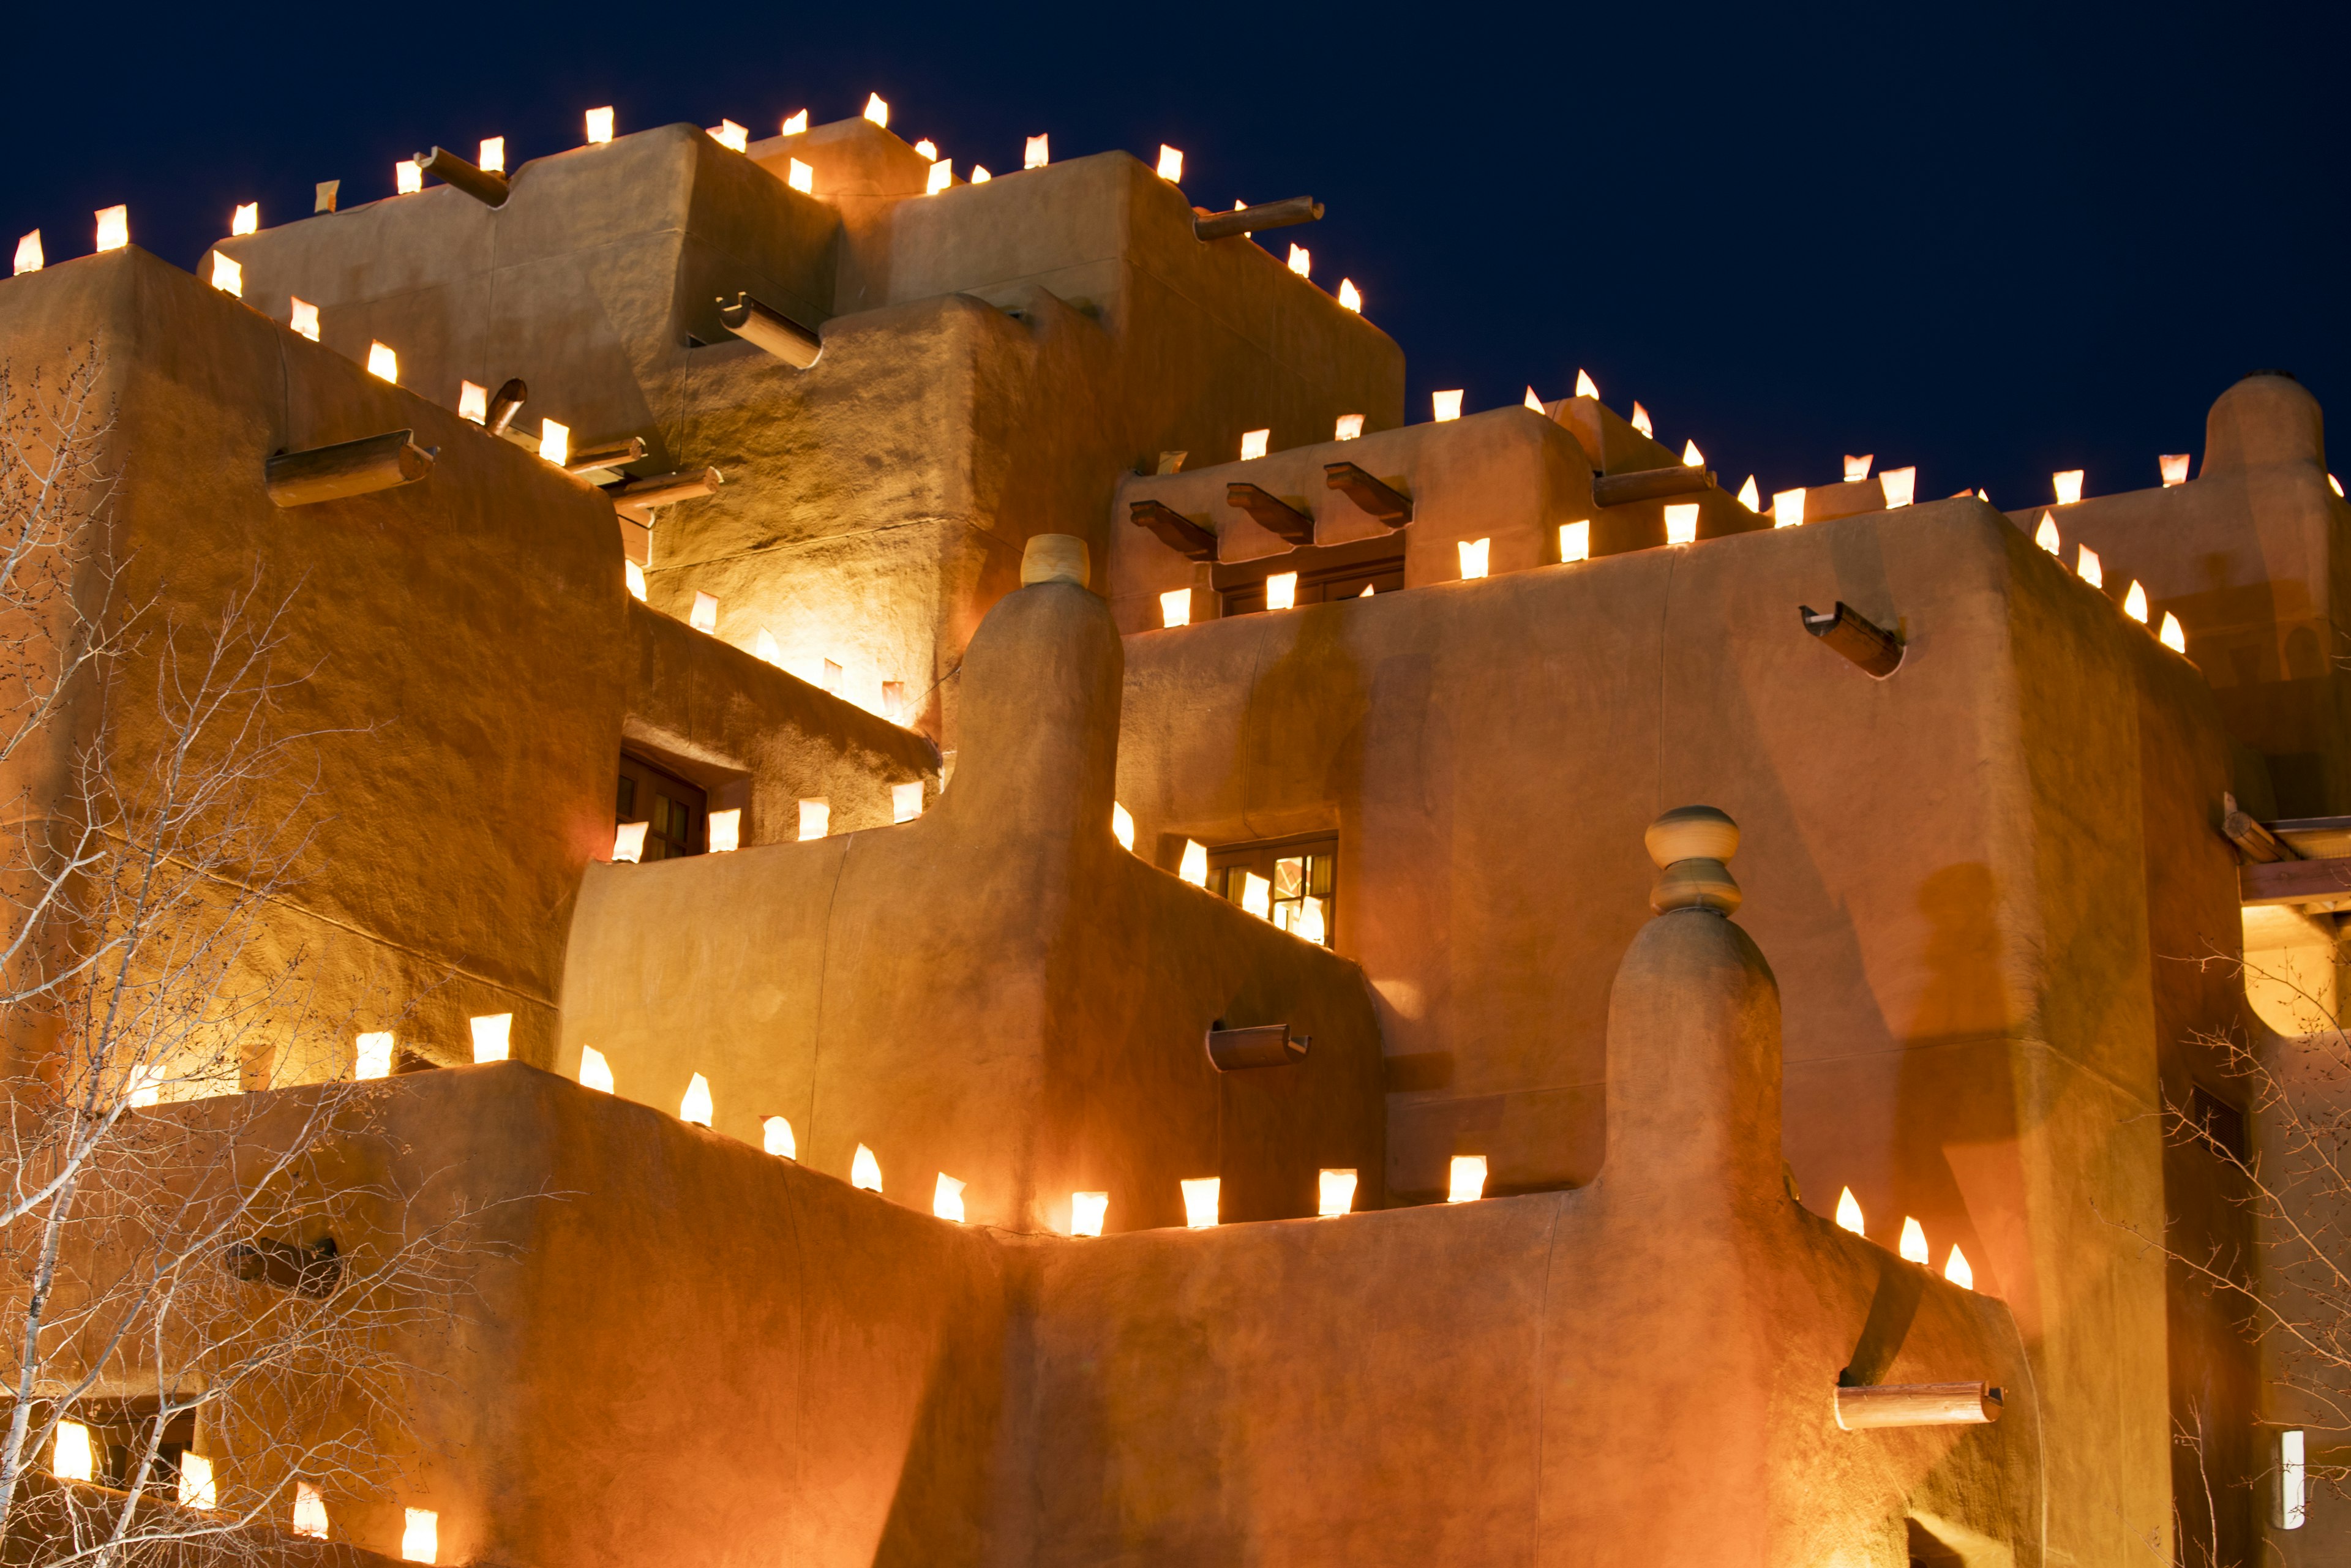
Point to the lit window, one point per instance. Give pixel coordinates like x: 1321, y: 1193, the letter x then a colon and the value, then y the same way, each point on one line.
x: 1295, y: 878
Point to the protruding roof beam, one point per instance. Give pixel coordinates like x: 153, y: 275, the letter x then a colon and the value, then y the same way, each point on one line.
x: 1648, y: 484
x: 1271, y: 513
x: 1251, y: 220
x: 1845, y: 629
x: 346, y: 468
x: 478, y: 183
x: 749, y: 319
x: 1378, y: 502
x: 1177, y: 532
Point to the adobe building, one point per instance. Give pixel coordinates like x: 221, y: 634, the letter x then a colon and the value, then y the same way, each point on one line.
x: 978, y: 695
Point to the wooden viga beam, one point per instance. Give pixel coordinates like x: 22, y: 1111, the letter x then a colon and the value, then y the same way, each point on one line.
x: 476, y: 181
x: 1377, y: 500
x: 504, y: 403
x: 1875, y: 649
x: 346, y: 468
x: 1648, y: 484
x: 605, y: 455
x: 1918, y: 1404
x: 1250, y: 220
x: 771, y: 330
x: 1177, y: 531
x: 1271, y: 513
x: 1261, y: 1045
x: 666, y: 489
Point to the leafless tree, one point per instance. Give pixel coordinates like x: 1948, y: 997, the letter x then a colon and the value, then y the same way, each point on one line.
x: 212, y: 1284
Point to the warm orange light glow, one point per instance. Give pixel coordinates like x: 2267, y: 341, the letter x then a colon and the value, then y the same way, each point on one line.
x: 1308, y: 922
x: 2334, y: 485
x: 1575, y: 541
x: 1691, y: 457
x: 2175, y: 468
x: 113, y: 227
x: 382, y: 362
x: 796, y: 123
x: 493, y: 1034
x: 599, y: 125
x: 555, y: 442
x: 595, y: 1072
x: 2135, y: 602
x: 2087, y: 565
x: 1281, y: 591
x: 1533, y: 402
x: 1195, y: 868
x: 1200, y: 1196
x: 1681, y: 523
x: 634, y: 576
x: 726, y: 830
x: 227, y: 276
x: 1087, y: 1211
x: 1367, y: 591
x: 196, y: 1482
x: 1302, y: 260
x: 1914, y: 1241
x: 1958, y: 1272
x: 1446, y: 405
x: 776, y: 1138
x: 906, y: 801
x: 1848, y: 1214
x: 1171, y: 165
x: 928, y: 149
x: 2046, y: 535
x: 1176, y: 607
x: 704, y: 616
x: 801, y: 177
x: 147, y: 1085
x: 865, y: 1171
x: 473, y: 403
x: 419, y: 1538
x: 941, y: 176
x: 816, y: 818
x: 726, y: 133
x: 832, y: 680
x: 305, y: 320
x: 371, y: 1055
x: 628, y: 841
x: 246, y: 219
x: 1586, y: 387
x: 407, y: 178
x: 1037, y: 153
x: 979, y: 174
x: 1122, y: 826
x: 1468, y: 1183
x: 1788, y: 507
x: 70, y: 1456
x: 1474, y: 553
x: 1350, y: 297
x: 1641, y: 422
x: 696, y: 1106
x: 1257, y: 895
x: 877, y: 110
x: 1338, y: 1194
x: 1349, y: 426
x: 1750, y: 496
x: 1856, y: 469
x: 2068, y: 484
x: 1253, y: 444
x: 947, y: 1198
x: 28, y: 254
x: 1901, y: 484
x: 309, y: 1511
x: 492, y: 156
x: 2174, y: 636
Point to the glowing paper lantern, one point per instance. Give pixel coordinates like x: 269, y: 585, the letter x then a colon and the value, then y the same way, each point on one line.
x: 1468, y: 1180
x: 2086, y: 566
x: 2334, y: 485
x: 1691, y: 457
x: 2135, y: 602
x: 1750, y: 496
x: 802, y: 178
x: 695, y: 1107
x: 309, y: 1511
x: 227, y: 276
x: 776, y: 1137
x: 832, y: 679
x: 1350, y: 297
x: 864, y: 1170
x: 1473, y: 555
x: 1338, y: 1194
x: 473, y: 403
x: 2068, y: 484
x: 1087, y: 1211
x: 816, y: 818
x: 1586, y: 387
x: 1575, y: 541
x: 906, y: 801
x: 1195, y: 868
x: 419, y: 1538
x: 371, y: 1055
x: 979, y: 174
x: 947, y: 1198
x: 726, y: 133
x: 492, y: 159
x: 1856, y: 469
x: 407, y: 178
x: 796, y: 123
x: 1914, y: 1241
x: 1641, y: 421
x: 1176, y: 607
x: 1367, y: 591
x: 1122, y: 826
x: 383, y: 364
x: 2175, y: 468
x: 1302, y: 260
x: 726, y: 830
x: 1257, y: 895
x: 492, y: 1035
x: 1253, y: 444
x: 70, y: 1458
x: 2173, y: 636
x: 1533, y: 402
x: 1349, y: 427
x: 1171, y: 165
x: 877, y: 110
x: 147, y: 1085
x: 1037, y: 154
x: 1901, y: 484
x: 113, y: 227
x: 28, y: 254
x: 2046, y: 535
x: 1681, y: 524
x: 1956, y: 1271
x: 305, y: 320
x: 1200, y: 1196
x: 595, y: 1072
x: 196, y: 1481
x: 1281, y: 591
x: 704, y: 616
x: 1446, y: 405
x: 629, y: 842
x: 634, y: 576
x: 555, y: 442
x: 599, y: 125
x: 941, y: 176
x: 1848, y: 1214
x: 246, y: 219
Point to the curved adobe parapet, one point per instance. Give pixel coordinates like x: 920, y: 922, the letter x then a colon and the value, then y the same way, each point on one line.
x: 2267, y: 417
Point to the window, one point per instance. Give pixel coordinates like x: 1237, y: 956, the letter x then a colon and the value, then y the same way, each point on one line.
x: 674, y: 809
x: 2220, y: 1122
x: 120, y: 1430
x: 1326, y: 573
x: 1300, y: 878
